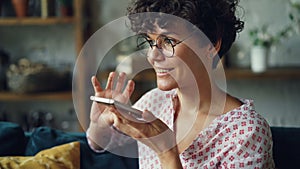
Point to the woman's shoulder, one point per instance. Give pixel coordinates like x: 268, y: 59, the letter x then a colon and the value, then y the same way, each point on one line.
x: 245, y: 113
x: 243, y: 131
x: 243, y: 121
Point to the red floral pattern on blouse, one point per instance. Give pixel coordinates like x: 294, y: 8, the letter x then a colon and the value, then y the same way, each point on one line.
x: 238, y: 139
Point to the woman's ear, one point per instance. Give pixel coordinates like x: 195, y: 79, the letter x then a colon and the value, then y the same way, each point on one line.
x: 218, y: 46
x: 216, y: 58
x: 212, y: 52
x: 214, y: 49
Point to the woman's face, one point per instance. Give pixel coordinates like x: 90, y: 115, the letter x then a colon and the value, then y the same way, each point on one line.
x: 177, y: 71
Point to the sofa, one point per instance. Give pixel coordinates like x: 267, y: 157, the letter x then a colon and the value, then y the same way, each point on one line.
x: 286, y: 147
x: 15, y: 142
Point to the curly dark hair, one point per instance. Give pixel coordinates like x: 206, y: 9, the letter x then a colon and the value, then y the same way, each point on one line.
x: 215, y: 18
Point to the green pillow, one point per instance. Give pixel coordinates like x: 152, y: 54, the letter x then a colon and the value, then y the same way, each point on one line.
x: 12, y: 139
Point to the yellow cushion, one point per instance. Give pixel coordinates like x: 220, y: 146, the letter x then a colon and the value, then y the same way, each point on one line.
x: 66, y: 156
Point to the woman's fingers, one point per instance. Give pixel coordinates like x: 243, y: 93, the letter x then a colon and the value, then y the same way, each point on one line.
x: 114, y: 89
x: 128, y: 89
x: 109, y: 115
x: 134, y: 127
x: 96, y: 84
x: 154, y: 134
x: 148, y: 116
x: 110, y: 81
x: 128, y: 127
x: 120, y: 82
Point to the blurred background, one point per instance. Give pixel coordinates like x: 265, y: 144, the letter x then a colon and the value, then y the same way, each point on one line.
x: 41, y: 39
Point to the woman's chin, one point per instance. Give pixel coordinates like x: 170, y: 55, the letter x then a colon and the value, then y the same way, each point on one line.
x: 166, y: 85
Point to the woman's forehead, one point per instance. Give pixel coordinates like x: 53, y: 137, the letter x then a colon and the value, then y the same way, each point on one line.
x: 173, y: 30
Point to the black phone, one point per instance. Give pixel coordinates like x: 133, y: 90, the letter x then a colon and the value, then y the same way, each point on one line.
x: 121, y: 106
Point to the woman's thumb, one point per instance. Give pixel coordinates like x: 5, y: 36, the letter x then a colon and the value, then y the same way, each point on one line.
x: 148, y: 116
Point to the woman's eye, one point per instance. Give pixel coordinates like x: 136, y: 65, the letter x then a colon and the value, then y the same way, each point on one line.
x: 170, y: 41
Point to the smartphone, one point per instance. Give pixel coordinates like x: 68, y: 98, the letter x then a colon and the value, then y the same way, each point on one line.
x: 122, y: 107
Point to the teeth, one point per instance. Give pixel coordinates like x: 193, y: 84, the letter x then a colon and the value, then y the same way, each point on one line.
x: 162, y: 70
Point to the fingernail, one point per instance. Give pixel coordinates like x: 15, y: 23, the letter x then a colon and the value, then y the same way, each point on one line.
x: 121, y: 74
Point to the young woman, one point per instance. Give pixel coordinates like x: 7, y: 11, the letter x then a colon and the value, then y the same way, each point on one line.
x: 188, y: 121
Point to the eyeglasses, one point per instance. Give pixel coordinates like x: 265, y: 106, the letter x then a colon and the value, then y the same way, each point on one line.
x: 162, y: 42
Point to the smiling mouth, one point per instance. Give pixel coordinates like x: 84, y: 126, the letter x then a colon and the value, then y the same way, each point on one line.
x: 161, y: 71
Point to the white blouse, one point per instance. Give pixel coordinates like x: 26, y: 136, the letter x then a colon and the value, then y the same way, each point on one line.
x: 240, y: 138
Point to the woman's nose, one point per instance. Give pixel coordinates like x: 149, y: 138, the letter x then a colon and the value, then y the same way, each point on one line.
x: 155, y: 54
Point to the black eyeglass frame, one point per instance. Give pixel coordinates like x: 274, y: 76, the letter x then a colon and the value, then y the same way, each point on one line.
x: 156, y: 44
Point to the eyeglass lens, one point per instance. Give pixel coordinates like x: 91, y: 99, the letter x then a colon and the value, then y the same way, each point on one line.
x: 163, y: 44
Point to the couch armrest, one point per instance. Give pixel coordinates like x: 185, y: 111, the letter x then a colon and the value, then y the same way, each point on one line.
x: 286, y: 146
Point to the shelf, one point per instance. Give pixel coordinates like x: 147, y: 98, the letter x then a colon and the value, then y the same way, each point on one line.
x: 272, y: 73
x: 231, y: 73
x: 8, y: 96
x: 78, y: 26
x: 35, y: 21
x: 143, y: 76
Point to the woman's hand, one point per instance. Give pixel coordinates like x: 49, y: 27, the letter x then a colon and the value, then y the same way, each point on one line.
x: 101, y: 115
x: 152, y: 132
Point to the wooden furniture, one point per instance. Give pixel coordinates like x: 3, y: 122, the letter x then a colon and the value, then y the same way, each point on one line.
x: 271, y: 73
x: 77, y: 22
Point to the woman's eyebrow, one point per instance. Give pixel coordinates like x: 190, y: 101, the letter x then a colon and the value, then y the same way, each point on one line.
x: 169, y: 33
x: 162, y: 33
